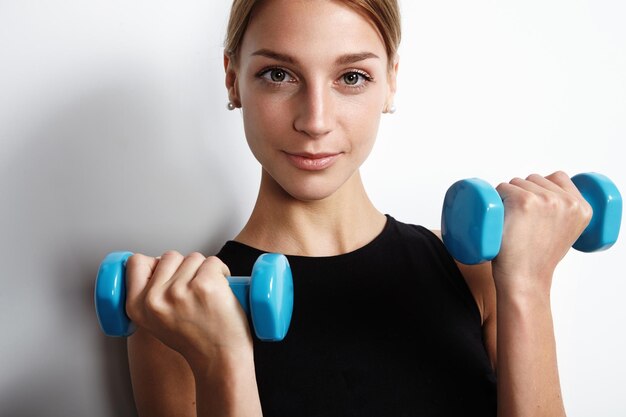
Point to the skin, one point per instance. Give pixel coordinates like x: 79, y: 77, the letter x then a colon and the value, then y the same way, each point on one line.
x: 193, y: 340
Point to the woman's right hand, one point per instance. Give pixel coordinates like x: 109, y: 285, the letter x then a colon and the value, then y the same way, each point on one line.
x: 187, y: 304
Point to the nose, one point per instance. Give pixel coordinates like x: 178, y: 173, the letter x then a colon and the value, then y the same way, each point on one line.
x: 315, y: 110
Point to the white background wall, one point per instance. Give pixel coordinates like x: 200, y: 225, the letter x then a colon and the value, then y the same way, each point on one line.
x: 114, y: 135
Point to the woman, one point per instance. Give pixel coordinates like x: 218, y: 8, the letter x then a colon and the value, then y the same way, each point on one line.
x: 385, y: 322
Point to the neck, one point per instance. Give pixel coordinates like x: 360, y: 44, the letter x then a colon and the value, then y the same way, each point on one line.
x: 340, y: 223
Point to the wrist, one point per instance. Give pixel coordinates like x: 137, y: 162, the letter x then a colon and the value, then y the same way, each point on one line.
x: 524, y: 287
x: 220, y: 362
x: 226, y: 385
x: 526, y: 303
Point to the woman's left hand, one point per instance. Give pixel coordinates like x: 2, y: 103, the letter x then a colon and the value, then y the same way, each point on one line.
x: 543, y: 217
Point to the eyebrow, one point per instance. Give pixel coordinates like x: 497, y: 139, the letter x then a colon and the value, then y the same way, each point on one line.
x: 342, y: 60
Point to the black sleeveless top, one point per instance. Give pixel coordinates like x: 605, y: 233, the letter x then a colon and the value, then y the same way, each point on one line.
x: 388, y: 330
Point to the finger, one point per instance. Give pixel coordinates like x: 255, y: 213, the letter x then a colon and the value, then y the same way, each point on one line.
x: 167, y: 266
x: 565, y: 182
x: 563, y: 186
x: 538, y: 186
x: 212, y: 267
x: 575, y: 199
x: 139, y: 269
x: 559, y: 182
x: 545, y: 183
x: 508, y: 189
x: 187, y: 270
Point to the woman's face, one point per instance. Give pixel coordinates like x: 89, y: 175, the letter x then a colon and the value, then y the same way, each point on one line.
x: 312, y: 80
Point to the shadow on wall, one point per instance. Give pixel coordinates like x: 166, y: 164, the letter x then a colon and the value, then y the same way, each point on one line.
x: 109, y: 170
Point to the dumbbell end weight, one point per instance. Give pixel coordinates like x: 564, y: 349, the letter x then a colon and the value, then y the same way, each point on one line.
x: 110, y: 295
x: 267, y: 296
x: 472, y: 220
x: 271, y: 297
x: 606, y: 201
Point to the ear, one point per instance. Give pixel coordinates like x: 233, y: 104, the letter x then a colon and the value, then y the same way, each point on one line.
x: 392, y: 76
x: 231, y: 81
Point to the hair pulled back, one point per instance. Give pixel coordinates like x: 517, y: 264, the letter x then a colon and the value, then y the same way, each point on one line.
x: 383, y: 14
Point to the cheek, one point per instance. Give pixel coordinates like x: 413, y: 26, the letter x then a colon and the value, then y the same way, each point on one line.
x: 361, y: 120
x: 264, y: 125
x: 265, y: 115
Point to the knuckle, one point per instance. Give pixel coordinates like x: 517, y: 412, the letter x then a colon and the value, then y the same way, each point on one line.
x: 514, y: 181
x: 572, y: 204
x: 201, y: 283
x: 133, y: 311
x: 207, y: 286
x: 577, y: 208
x: 210, y: 277
x: 213, y: 261
x: 527, y: 201
x: 587, y: 212
x: 215, y: 266
x: 177, y: 293
x: 154, y: 305
x: 550, y: 201
x: 135, y: 260
x: 580, y: 206
x: 172, y: 254
x: 559, y: 177
x: 196, y: 255
x: 137, y: 268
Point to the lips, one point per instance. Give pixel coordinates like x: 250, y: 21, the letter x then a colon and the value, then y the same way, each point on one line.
x: 312, y: 161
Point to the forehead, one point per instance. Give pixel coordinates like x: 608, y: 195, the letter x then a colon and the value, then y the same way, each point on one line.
x: 310, y: 30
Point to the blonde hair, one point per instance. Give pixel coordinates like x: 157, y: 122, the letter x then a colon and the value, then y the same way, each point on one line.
x: 384, y: 14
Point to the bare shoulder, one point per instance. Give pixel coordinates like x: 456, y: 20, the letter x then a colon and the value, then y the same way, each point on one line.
x: 163, y: 383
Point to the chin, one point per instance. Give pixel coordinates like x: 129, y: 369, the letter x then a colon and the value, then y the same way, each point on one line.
x: 309, y: 186
x: 309, y: 190
x: 309, y: 194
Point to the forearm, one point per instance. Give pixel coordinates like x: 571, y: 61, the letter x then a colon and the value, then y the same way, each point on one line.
x: 226, y: 387
x: 528, y: 378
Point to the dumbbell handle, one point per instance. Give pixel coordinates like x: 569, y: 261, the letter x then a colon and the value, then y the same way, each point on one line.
x: 241, y: 288
x: 110, y: 296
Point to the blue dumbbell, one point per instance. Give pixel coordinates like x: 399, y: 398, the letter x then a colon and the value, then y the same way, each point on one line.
x: 473, y: 217
x: 267, y: 296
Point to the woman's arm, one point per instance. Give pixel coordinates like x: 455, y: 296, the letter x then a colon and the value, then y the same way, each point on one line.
x: 192, y: 353
x: 519, y: 339
x: 163, y: 383
x: 543, y: 218
x: 528, y: 376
